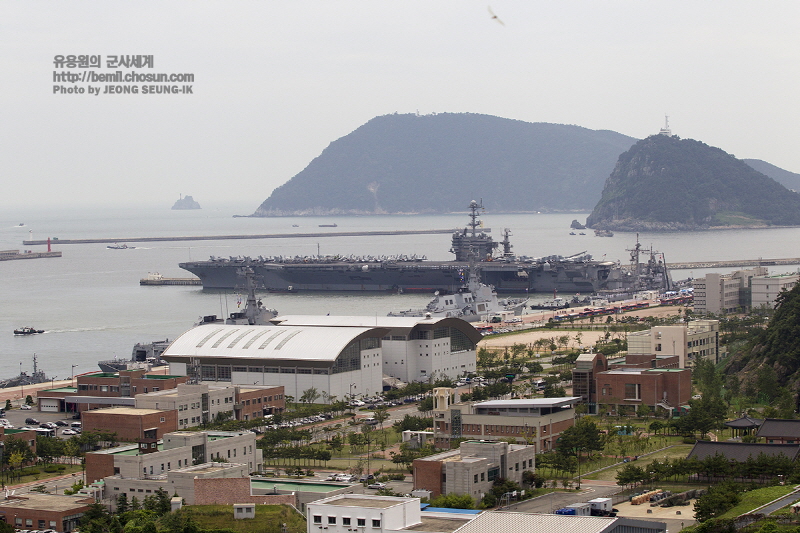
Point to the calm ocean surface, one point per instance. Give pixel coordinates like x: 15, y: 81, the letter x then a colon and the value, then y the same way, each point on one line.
x: 92, y: 307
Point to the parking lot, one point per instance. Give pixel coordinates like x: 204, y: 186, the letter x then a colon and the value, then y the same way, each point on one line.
x: 17, y: 418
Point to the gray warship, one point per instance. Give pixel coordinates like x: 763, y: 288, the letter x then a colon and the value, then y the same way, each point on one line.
x: 24, y: 378
x: 499, y: 267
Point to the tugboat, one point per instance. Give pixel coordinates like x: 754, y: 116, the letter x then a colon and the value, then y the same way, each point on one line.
x: 27, y: 331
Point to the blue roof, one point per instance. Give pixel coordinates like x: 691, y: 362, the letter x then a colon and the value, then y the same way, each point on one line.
x: 448, y: 510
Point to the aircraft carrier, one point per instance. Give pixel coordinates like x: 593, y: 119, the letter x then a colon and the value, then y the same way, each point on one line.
x: 498, y: 266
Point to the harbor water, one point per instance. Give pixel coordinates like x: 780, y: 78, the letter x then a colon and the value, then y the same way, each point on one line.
x: 91, y: 306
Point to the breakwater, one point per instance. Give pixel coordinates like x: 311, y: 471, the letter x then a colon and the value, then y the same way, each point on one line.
x: 56, y: 240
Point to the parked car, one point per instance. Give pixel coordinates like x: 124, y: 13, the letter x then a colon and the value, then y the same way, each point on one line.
x: 376, y: 485
x: 31, y: 420
x: 48, y: 425
x: 365, y: 478
x: 76, y: 416
x: 69, y: 431
x: 61, y: 423
x: 25, y: 407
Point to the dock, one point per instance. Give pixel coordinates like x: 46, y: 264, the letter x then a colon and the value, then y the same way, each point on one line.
x: 56, y: 240
x: 11, y: 255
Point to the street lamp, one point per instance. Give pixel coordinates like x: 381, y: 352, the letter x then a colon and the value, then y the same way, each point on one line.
x: 351, y: 397
x: 72, y: 377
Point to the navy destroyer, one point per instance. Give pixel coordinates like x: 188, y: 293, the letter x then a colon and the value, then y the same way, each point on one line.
x: 499, y: 267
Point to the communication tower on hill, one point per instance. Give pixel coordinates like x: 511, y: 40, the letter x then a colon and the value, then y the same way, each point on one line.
x: 665, y: 130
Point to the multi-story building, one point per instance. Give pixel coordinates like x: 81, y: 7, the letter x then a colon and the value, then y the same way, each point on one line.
x: 622, y: 391
x: 200, y: 403
x: 145, y: 467
x: 104, y: 389
x: 584, y: 385
x: 473, y: 468
x: 537, y: 422
x: 724, y: 293
x: 764, y: 289
x: 689, y: 342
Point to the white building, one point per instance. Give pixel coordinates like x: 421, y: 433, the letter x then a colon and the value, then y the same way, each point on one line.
x: 330, y: 359
x: 692, y: 341
x: 724, y: 293
x: 413, y: 348
x: 366, y: 513
x: 764, y: 289
x: 199, y: 403
x: 174, y: 463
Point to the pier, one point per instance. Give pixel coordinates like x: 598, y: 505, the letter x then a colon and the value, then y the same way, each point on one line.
x: 733, y: 263
x: 10, y: 255
x: 56, y: 240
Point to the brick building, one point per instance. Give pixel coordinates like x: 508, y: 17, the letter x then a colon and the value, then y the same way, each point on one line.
x: 28, y: 436
x: 537, y: 421
x: 623, y: 391
x: 200, y: 403
x: 131, y: 424
x: 103, y: 389
x: 473, y: 468
x: 44, y: 511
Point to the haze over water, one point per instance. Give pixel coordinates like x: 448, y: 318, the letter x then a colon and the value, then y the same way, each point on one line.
x: 92, y: 307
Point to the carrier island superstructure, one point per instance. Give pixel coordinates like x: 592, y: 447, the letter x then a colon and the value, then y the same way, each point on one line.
x: 499, y: 267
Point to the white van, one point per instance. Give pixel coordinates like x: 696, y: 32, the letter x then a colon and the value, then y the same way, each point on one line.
x: 76, y: 425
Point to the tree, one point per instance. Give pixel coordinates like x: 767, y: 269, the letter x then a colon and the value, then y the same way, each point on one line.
x: 584, y: 435
x: 454, y: 501
x: 8, y: 405
x: 716, y: 501
x: 426, y: 405
x: 158, y: 502
x: 310, y: 395
x: 28, y: 400
x: 643, y: 411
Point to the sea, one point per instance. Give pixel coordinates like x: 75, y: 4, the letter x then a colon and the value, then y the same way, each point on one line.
x: 91, y: 306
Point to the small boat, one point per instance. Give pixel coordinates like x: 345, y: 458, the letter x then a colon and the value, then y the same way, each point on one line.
x: 572, y: 233
x: 122, y: 246
x: 581, y: 233
x: 328, y: 225
x: 27, y: 331
x: 295, y: 226
x: 21, y: 224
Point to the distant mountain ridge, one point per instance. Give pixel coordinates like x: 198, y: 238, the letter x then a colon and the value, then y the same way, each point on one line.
x: 438, y: 163
x: 668, y: 183
x: 406, y: 163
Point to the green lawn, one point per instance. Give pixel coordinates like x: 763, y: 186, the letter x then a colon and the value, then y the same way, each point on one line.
x: 268, y: 519
x: 756, y: 498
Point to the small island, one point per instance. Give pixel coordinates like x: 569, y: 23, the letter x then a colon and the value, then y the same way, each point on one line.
x: 186, y: 202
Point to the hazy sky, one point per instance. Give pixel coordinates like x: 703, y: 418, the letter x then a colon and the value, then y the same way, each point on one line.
x: 276, y: 82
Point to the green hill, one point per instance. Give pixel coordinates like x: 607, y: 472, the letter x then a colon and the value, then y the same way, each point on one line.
x: 438, y: 163
x: 668, y: 183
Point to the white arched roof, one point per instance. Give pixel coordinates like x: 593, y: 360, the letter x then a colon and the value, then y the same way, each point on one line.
x: 267, y: 342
